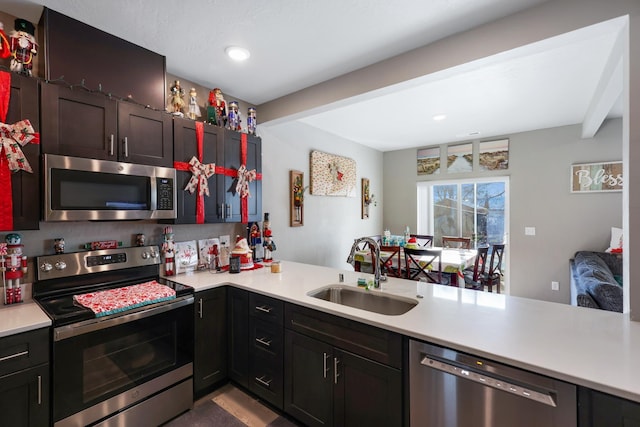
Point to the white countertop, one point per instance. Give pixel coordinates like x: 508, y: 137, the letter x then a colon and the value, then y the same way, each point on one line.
x: 22, y: 317
x: 594, y: 348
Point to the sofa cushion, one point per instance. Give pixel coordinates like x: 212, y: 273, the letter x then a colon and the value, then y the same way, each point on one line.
x: 588, y: 263
x: 607, y: 295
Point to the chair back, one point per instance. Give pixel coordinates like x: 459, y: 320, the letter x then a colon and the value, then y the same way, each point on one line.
x: 423, y: 262
x: 495, y: 265
x: 389, y: 254
x: 456, y: 242
x: 423, y: 240
x: 480, y: 264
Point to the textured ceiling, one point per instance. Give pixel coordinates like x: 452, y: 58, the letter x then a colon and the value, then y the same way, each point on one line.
x: 298, y: 43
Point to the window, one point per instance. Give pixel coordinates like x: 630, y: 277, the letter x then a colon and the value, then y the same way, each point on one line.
x: 475, y: 208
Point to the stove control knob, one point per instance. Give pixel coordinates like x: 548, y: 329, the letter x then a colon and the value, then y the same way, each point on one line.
x: 154, y: 254
x: 46, y: 267
x: 60, y: 265
x: 145, y: 255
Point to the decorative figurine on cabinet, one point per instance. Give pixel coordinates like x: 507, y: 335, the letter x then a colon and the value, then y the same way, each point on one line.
x: 13, y: 267
x: 23, y: 47
x: 5, y: 46
x: 252, y: 122
x: 217, y: 116
x: 176, y: 101
x: 168, y: 249
x: 234, y: 120
x: 194, y: 109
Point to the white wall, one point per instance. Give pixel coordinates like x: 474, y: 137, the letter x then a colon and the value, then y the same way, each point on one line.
x: 330, y: 223
x: 539, y: 173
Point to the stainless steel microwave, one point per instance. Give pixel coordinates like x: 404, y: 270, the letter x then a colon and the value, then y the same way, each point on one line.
x: 78, y: 189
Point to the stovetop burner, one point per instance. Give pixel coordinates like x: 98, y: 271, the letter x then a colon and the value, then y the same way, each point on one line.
x: 62, y: 276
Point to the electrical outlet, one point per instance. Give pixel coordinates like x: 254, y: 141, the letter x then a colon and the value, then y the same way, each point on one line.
x: 555, y: 286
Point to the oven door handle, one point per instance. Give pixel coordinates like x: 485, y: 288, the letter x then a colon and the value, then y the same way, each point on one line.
x: 69, y: 331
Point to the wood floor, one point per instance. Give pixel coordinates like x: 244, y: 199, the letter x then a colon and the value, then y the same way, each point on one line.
x: 230, y: 407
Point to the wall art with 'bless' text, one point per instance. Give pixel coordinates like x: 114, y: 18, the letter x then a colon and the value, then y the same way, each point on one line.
x: 596, y: 177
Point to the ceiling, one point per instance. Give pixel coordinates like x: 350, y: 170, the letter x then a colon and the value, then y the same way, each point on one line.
x: 295, y: 44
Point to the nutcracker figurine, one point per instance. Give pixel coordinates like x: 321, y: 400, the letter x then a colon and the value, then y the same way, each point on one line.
x: 269, y: 246
x: 168, y: 249
x: 234, y: 120
x: 217, y: 110
x: 23, y: 47
x: 252, y: 122
x: 13, y: 267
x: 5, y: 46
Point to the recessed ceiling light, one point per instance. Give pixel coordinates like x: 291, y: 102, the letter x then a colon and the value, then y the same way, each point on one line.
x: 439, y: 117
x: 237, y: 53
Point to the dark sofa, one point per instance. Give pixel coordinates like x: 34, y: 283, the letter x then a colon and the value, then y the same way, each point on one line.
x: 596, y: 280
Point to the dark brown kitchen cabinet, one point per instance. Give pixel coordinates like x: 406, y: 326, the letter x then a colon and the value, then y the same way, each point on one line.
x: 184, y: 148
x: 79, y: 123
x: 23, y: 104
x: 229, y: 199
x: 266, y: 345
x: 340, y: 372
x: 597, y: 409
x: 238, y: 341
x: 24, y: 379
x: 210, y: 355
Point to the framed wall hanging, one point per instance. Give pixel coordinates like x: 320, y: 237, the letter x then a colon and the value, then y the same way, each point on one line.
x: 332, y: 175
x: 494, y: 155
x: 429, y: 161
x: 367, y: 198
x: 596, y: 177
x: 296, y: 198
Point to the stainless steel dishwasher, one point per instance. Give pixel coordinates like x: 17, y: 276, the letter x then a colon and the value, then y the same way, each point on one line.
x: 452, y: 389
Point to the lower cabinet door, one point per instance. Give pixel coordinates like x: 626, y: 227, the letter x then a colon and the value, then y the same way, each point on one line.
x: 24, y: 398
x: 366, y: 393
x: 308, y: 380
x: 238, y: 336
x: 210, y: 355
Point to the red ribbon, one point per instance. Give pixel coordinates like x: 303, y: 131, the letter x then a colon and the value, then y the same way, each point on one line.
x: 6, y: 191
x: 244, y: 203
x: 184, y: 166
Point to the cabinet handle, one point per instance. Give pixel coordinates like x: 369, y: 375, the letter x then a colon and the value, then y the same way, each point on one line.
x: 265, y: 342
x: 324, y: 365
x: 264, y: 308
x: 200, y: 308
x: 126, y: 147
x: 335, y: 370
x: 229, y: 211
x: 39, y: 389
x: 266, y: 383
x: 13, y: 356
x: 111, y: 146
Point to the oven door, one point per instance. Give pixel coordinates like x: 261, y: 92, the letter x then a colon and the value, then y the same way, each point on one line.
x: 104, y: 369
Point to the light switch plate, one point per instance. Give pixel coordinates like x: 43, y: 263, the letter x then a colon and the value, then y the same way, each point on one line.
x: 529, y: 231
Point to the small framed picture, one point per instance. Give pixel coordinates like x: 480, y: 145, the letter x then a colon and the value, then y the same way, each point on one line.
x: 186, y: 258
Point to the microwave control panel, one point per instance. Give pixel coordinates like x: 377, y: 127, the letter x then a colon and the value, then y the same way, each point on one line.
x: 165, y: 194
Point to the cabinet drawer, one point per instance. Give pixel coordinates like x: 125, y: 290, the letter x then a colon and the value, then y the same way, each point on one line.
x: 266, y: 378
x: 266, y: 308
x: 24, y: 350
x: 368, y: 341
x: 266, y: 338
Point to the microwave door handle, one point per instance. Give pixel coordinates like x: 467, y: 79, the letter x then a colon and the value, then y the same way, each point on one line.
x: 126, y: 148
x: 111, y: 146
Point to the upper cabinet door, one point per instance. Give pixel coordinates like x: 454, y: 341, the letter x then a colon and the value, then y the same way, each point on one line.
x: 23, y: 104
x: 145, y: 136
x: 78, y: 123
x: 232, y: 160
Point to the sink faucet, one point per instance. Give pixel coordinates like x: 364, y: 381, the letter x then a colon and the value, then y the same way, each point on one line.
x: 376, y: 264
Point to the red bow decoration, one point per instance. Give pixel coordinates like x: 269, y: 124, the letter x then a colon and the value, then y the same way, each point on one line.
x: 12, y: 159
x: 244, y: 178
x: 200, y: 173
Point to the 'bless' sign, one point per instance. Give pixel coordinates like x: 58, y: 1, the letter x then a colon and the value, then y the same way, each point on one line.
x: 590, y: 177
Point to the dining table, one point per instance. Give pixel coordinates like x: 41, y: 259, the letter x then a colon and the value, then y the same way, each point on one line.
x: 453, y: 260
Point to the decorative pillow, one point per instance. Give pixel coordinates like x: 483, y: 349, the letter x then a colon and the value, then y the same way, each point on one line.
x: 615, y: 245
x: 588, y: 262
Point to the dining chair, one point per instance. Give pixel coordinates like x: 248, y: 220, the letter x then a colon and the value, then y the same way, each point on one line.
x: 424, y: 262
x: 423, y: 240
x: 390, y: 262
x: 473, y: 277
x: 456, y: 242
x: 494, y: 275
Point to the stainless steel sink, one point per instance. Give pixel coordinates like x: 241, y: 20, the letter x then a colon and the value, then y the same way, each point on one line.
x: 365, y: 300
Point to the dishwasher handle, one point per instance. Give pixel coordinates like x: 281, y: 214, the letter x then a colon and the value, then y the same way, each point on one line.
x: 547, y: 398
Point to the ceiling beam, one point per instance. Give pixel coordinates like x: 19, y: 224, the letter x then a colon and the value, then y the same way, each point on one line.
x: 608, y: 92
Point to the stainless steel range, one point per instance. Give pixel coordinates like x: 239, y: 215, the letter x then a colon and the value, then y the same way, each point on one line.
x: 132, y: 367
